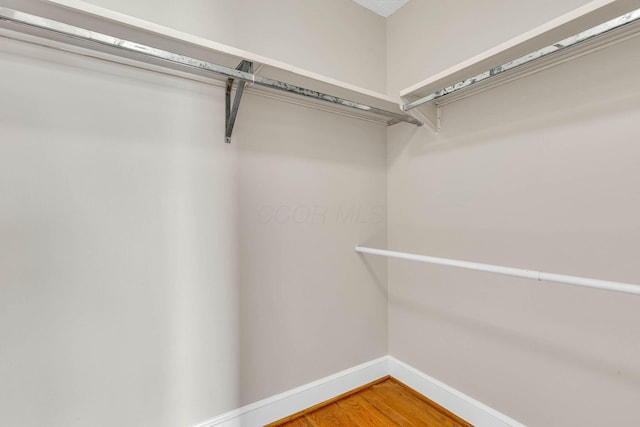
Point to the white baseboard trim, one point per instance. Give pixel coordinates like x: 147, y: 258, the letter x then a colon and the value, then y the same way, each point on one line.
x: 467, y: 408
x: 284, y: 404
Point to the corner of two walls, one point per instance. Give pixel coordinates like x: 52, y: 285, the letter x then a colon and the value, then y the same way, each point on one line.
x: 538, y: 173
x: 154, y: 275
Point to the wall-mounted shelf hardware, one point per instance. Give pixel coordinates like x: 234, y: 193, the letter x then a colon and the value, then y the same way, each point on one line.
x: 541, y: 276
x: 586, y: 29
x: 231, y: 109
x: 380, y: 109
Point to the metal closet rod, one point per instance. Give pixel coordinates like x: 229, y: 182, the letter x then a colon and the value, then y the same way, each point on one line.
x: 576, y: 39
x: 114, y: 42
x: 510, y: 271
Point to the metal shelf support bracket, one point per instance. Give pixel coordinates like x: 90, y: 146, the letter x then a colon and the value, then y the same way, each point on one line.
x: 232, y: 109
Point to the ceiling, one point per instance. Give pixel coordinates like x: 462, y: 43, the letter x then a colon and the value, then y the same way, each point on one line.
x: 382, y: 7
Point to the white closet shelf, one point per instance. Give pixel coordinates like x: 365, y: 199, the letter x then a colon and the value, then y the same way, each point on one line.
x: 83, y: 15
x: 427, y: 96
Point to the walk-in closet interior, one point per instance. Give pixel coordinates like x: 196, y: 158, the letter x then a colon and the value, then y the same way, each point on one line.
x: 222, y: 212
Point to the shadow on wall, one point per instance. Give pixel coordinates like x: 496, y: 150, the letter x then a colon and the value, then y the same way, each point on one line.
x: 552, y: 346
x: 375, y: 273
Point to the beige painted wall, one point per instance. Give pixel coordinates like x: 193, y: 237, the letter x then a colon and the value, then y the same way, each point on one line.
x: 153, y: 275
x: 540, y: 173
x: 428, y: 36
x: 312, y: 185
x: 337, y: 38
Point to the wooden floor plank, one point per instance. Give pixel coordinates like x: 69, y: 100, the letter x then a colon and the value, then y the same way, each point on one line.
x: 416, y: 406
x: 302, y: 413
x: 360, y: 411
x: 410, y: 406
x: 298, y: 422
x: 331, y: 415
x: 383, y: 403
x: 396, y: 415
x: 448, y: 414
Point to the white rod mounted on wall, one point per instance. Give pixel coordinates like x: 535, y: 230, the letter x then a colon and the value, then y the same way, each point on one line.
x: 509, y: 271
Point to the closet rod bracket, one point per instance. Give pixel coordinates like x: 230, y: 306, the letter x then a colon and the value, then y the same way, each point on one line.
x: 231, y: 110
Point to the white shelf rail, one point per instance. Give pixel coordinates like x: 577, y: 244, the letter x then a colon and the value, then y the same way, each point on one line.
x: 582, y: 37
x: 85, y: 35
x: 509, y: 271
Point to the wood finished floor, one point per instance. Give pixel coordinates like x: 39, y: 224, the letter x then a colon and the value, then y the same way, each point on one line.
x: 385, y: 402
